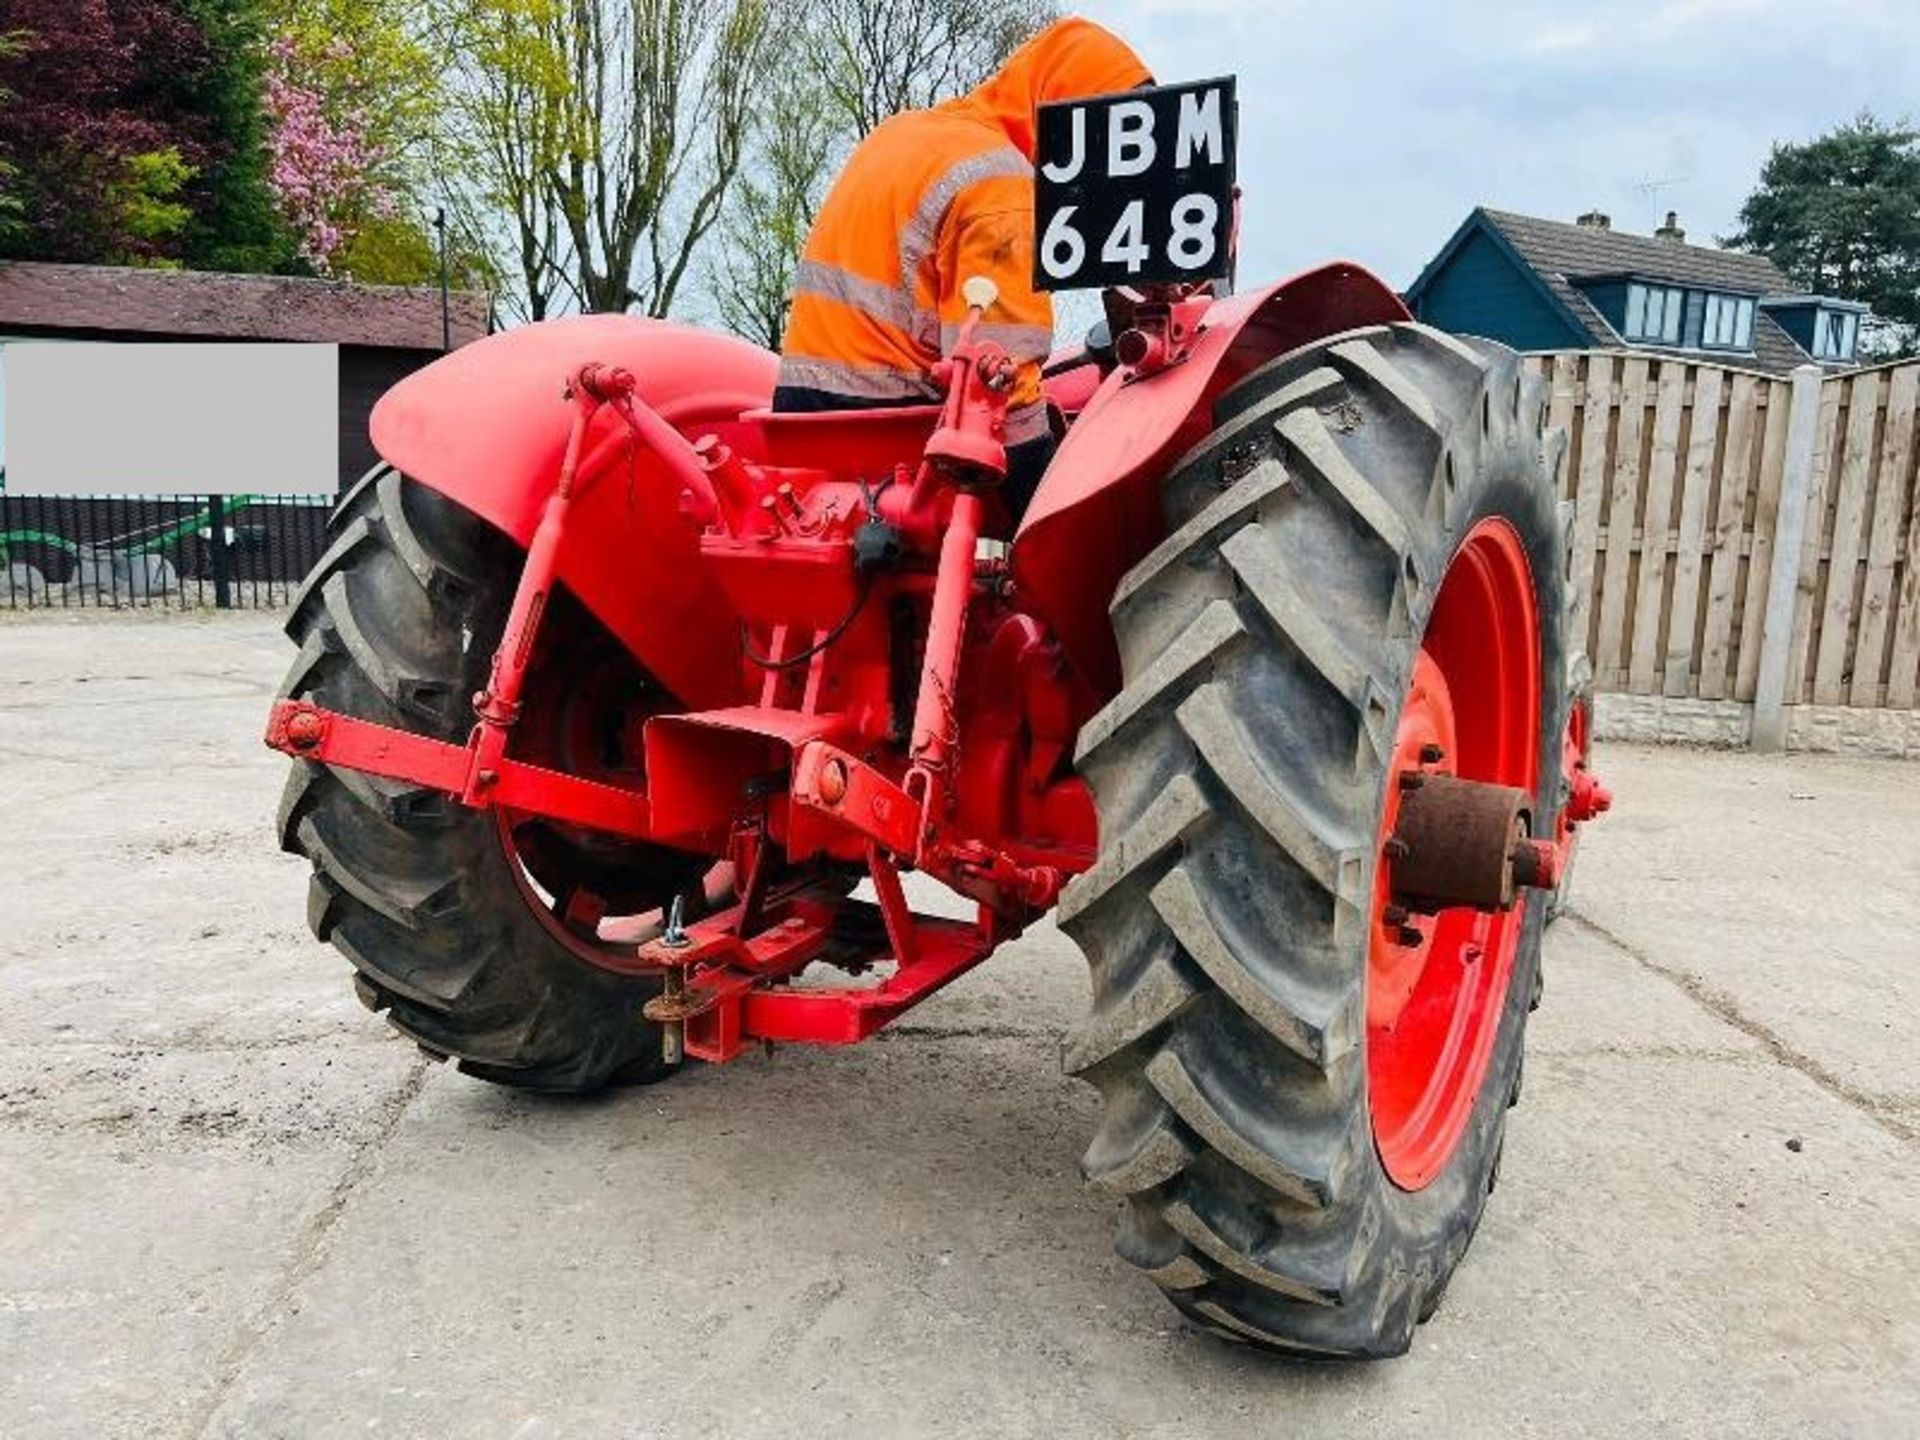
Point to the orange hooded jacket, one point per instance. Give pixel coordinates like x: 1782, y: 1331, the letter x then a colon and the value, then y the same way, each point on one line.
x: 927, y: 200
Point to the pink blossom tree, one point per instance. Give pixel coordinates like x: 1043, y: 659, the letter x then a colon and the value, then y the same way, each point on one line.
x: 326, y: 170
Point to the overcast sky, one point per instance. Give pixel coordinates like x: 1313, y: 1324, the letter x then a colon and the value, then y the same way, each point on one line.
x: 1369, y: 129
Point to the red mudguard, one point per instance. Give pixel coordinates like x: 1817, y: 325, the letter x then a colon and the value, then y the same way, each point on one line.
x: 486, y: 425
x: 1098, y: 510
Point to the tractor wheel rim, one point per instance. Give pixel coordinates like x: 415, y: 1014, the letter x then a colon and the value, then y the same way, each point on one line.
x: 613, y: 939
x: 1434, y: 1004
x: 608, y: 944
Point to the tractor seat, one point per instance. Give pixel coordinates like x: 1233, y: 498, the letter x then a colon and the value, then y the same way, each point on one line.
x: 845, y: 442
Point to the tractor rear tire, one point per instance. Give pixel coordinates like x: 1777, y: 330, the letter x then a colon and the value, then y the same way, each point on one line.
x: 1241, y: 778
x: 397, y: 624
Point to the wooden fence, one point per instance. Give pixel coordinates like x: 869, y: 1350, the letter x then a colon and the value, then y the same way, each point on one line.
x: 1688, y: 478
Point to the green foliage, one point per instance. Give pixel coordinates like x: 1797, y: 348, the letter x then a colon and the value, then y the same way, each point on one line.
x: 236, y: 222
x: 399, y: 250
x: 376, y: 55
x: 390, y: 250
x: 376, y: 61
x: 1841, y: 215
x: 147, y: 197
x: 591, y: 144
x: 799, y: 140
x: 12, y: 208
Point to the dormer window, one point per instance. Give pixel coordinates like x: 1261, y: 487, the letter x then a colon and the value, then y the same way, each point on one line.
x: 1654, y: 313
x: 1826, y: 328
x: 1726, y: 323
x: 1835, y: 332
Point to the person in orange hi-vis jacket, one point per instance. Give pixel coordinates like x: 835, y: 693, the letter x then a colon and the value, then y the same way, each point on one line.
x: 926, y: 201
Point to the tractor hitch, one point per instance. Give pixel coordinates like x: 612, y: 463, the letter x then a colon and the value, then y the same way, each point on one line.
x: 726, y: 989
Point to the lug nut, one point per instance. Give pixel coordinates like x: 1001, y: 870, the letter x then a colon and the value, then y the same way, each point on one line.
x: 1431, y: 754
x: 1410, y: 935
x: 1394, y: 915
x: 1411, y: 779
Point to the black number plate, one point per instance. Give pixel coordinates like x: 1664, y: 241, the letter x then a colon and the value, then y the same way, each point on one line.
x: 1135, y: 189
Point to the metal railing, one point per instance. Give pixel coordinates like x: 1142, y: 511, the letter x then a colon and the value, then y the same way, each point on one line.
x: 176, y: 552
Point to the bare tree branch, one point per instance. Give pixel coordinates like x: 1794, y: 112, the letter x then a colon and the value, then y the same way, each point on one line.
x: 846, y: 66
x: 593, y: 143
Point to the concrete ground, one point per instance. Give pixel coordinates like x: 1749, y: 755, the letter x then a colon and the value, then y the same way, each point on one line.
x: 231, y: 1203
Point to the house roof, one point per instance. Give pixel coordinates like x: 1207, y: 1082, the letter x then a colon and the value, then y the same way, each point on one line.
x: 1557, y: 254
x: 1586, y: 253
x: 206, y: 305
x: 1561, y: 253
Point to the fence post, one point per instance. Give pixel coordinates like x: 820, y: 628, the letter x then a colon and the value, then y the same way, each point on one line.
x: 1769, y: 734
x: 222, y: 561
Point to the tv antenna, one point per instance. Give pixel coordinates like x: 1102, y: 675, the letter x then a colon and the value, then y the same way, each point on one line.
x: 1649, y: 187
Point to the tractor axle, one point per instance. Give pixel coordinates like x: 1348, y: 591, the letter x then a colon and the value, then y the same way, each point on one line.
x: 1464, y: 843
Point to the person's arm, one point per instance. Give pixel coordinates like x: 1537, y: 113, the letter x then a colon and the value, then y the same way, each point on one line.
x: 993, y: 236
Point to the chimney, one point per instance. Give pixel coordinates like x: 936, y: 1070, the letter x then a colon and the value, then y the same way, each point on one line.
x: 1671, y: 230
x: 1595, y: 220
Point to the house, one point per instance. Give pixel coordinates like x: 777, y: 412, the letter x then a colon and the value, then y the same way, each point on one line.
x: 384, y: 332
x: 1547, y: 285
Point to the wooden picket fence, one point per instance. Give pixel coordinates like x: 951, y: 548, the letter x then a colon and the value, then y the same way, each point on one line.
x: 1687, y: 477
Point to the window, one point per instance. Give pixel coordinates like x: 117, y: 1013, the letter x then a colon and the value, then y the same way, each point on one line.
x: 1727, y: 323
x: 1653, y: 313
x: 1834, y: 334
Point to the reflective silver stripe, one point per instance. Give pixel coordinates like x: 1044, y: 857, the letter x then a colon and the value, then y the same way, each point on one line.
x: 1023, y: 342
x: 870, y: 297
x: 864, y: 382
x: 917, y: 235
x: 1029, y: 422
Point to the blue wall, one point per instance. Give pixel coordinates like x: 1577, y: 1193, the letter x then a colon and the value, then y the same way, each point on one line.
x: 1480, y: 292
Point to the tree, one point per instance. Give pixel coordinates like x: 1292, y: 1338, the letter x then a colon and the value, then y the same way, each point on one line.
x: 91, y: 112
x: 353, y: 92
x: 1841, y: 215
x: 798, y: 139
x: 504, y: 113
x: 135, y: 134
x: 875, y: 58
x: 596, y: 140
x: 12, y: 212
x: 324, y: 164
x: 235, y: 219
x: 853, y: 63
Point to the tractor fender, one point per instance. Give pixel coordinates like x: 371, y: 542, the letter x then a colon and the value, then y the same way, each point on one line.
x: 486, y: 426
x: 1097, y: 512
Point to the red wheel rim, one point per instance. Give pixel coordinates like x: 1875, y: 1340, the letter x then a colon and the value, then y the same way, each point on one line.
x: 1434, y: 1003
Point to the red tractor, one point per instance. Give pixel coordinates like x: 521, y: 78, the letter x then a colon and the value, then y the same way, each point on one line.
x: 615, y: 689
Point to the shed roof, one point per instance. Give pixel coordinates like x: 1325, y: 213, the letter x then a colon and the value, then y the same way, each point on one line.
x: 208, y: 305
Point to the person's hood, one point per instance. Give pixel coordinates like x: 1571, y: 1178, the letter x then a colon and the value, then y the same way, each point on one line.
x: 1069, y: 60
